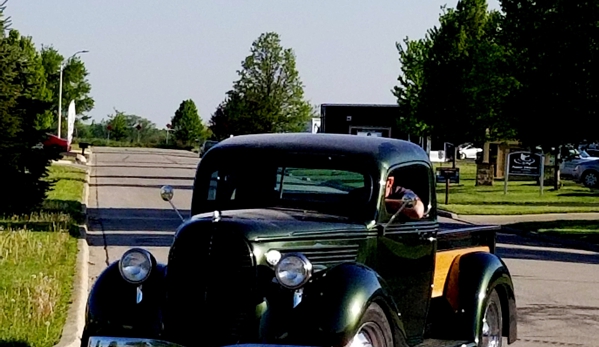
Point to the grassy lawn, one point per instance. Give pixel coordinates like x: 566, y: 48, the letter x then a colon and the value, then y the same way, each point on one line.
x: 522, y: 198
x: 37, y: 264
x: 582, y: 230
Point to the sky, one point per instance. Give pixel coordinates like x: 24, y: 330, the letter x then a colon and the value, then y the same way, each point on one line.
x: 146, y: 57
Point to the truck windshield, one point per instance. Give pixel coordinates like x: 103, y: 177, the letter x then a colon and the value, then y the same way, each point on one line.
x: 323, y: 189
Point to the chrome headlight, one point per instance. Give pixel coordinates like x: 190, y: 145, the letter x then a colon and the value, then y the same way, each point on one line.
x: 293, y: 270
x: 136, y: 265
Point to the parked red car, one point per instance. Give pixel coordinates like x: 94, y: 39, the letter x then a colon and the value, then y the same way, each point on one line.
x: 55, y: 142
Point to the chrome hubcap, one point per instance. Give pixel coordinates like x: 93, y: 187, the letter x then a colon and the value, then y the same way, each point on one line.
x: 491, y: 336
x: 591, y: 180
x: 361, y: 340
x: 369, y: 335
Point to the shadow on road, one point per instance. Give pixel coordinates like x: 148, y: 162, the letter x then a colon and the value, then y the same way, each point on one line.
x: 183, y: 178
x: 537, y: 312
x: 534, y: 249
x: 161, y: 166
x: 133, y: 227
x: 153, y: 186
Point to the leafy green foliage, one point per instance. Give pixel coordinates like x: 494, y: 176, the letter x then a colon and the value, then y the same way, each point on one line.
x: 75, y: 85
x: 411, y: 58
x: 23, y: 102
x: 268, y: 97
x: 554, y: 44
x: 186, y: 123
x: 118, y: 125
x: 455, y: 81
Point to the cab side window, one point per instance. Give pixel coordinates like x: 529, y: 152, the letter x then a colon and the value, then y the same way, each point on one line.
x: 402, y: 180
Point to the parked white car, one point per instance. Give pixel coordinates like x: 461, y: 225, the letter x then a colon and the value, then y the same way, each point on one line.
x: 468, y: 151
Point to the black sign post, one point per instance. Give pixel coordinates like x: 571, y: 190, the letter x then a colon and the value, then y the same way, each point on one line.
x: 450, y: 152
x: 524, y: 164
x: 447, y: 175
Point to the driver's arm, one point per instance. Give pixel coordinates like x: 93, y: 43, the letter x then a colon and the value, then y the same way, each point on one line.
x: 415, y: 212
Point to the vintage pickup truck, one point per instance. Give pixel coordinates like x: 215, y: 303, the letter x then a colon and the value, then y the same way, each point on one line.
x: 292, y: 241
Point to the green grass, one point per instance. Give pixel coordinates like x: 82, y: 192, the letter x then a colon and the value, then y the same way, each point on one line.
x: 523, y: 197
x: 37, y: 264
x: 581, y: 230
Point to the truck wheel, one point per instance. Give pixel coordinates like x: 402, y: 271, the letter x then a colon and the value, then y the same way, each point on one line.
x: 374, y: 330
x: 590, y: 179
x: 490, y: 335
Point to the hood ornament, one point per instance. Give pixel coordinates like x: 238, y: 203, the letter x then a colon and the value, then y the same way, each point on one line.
x: 216, y: 216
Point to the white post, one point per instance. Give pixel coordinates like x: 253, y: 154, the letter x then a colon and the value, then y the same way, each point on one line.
x: 60, y: 100
x: 506, y: 173
x: 542, y: 172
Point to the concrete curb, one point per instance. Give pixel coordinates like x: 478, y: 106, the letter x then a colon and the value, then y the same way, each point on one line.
x: 574, y: 244
x: 75, y: 322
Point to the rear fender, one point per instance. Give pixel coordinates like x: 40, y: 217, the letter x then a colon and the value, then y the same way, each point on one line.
x: 472, y: 276
x: 112, y: 307
x: 332, y: 306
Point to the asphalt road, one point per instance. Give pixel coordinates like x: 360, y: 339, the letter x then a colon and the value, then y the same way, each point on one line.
x: 125, y: 208
x: 557, y: 289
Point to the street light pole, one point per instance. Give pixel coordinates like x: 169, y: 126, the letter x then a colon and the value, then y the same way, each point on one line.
x: 60, y: 91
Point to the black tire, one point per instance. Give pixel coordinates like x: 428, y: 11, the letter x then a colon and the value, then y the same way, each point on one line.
x: 492, y: 322
x: 590, y: 179
x: 462, y: 156
x: 375, y: 328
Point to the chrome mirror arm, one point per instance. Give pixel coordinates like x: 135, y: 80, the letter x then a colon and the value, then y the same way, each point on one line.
x: 166, y: 193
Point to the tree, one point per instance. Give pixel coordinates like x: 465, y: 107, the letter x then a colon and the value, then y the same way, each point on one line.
x: 554, y: 44
x: 75, y: 85
x: 454, y: 82
x: 412, y: 59
x: 269, y: 95
x: 186, y: 123
x: 23, y: 101
x: 119, y: 127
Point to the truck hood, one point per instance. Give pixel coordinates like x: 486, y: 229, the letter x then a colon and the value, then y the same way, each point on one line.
x: 277, y: 223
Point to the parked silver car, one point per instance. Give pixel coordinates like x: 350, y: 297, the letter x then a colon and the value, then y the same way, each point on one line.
x: 575, y: 158
x: 587, y: 173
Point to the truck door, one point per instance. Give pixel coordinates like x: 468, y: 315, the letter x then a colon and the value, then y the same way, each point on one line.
x: 406, y: 250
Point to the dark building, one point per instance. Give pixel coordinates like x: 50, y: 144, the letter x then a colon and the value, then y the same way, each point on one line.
x: 365, y: 120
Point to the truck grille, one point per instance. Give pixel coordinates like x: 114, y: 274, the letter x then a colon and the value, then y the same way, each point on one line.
x: 326, y: 255
x: 210, y: 281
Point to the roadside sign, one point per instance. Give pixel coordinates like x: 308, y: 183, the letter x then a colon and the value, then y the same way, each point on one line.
x: 444, y: 173
x: 447, y: 175
x: 524, y: 164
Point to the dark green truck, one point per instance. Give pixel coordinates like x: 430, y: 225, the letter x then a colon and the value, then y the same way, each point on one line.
x: 291, y: 241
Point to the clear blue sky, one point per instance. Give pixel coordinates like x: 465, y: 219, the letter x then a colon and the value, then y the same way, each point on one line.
x: 147, y: 56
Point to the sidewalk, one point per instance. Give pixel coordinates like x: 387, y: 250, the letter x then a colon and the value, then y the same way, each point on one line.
x: 510, y: 219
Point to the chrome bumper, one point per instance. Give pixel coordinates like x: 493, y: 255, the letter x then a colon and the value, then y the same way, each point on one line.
x: 105, y: 341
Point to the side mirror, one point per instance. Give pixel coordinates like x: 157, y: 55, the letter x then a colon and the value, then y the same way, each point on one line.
x: 166, y: 193
x: 408, y: 200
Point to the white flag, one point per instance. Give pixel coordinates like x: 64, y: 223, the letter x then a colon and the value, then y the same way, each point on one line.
x: 71, y: 122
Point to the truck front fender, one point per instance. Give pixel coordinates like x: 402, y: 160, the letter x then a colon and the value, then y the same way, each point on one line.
x: 472, y: 276
x: 112, y: 308
x: 332, y: 306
